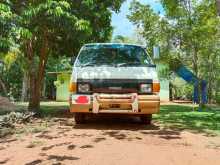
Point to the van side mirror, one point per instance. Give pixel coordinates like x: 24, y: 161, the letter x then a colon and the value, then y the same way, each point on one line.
x: 156, y: 52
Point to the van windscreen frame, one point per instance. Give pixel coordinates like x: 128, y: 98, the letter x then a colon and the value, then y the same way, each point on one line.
x: 113, y: 55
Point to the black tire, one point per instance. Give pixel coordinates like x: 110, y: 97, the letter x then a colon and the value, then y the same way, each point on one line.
x: 80, y: 118
x: 146, y: 119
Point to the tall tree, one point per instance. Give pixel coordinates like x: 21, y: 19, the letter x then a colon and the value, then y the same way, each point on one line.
x: 197, y: 28
x: 187, y: 32
x: 58, y: 28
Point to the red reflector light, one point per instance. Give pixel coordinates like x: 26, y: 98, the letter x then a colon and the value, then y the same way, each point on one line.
x: 82, y: 100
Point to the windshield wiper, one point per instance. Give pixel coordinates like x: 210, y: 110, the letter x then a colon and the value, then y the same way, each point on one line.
x: 87, y: 64
x: 95, y: 64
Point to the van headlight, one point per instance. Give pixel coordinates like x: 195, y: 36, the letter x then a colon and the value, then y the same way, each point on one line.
x: 83, y: 88
x: 145, y: 88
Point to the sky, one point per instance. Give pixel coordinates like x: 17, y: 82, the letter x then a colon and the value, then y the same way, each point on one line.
x: 121, y: 24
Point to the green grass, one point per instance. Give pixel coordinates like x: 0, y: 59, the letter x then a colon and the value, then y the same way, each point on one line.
x: 48, y: 109
x: 54, y: 108
x: 184, y: 117
x: 178, y: 117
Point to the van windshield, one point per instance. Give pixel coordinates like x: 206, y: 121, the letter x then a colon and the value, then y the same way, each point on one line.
x: 112, y: 55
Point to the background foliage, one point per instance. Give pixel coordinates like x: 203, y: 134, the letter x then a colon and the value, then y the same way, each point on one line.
x: 188, y: 33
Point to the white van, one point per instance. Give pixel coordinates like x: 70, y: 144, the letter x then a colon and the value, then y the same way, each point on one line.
x: 114, y: 78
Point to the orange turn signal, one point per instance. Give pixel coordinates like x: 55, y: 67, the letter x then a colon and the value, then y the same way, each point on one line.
x: 156, y: 87
x: 72, y: 87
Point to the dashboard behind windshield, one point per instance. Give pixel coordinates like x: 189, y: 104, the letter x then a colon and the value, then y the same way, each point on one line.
x: 112, y: 55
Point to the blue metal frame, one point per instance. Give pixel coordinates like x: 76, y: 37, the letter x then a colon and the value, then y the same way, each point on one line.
x: 189, y: 77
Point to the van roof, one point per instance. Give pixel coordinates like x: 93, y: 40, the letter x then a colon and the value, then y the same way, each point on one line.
x: 114, y: 44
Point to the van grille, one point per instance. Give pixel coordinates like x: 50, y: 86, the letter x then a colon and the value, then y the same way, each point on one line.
x: 115, y: 85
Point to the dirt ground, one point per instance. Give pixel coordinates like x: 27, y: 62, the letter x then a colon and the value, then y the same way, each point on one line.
x: 107, y: 141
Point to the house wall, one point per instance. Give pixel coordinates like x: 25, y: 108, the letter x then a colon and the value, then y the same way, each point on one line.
x: 62, y: 87
x: 164, y: 83
x: 164, y: 90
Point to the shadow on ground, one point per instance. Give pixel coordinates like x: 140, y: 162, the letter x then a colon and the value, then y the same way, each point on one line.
x: 178, y: 117
x: 116, y: 127
x: 173, y: 117
x: 113, y: 122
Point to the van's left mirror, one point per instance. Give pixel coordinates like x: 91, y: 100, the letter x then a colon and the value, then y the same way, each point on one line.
x: 156, y: 52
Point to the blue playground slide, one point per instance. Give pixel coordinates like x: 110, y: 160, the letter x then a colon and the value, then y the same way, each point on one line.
x: 189, y: 77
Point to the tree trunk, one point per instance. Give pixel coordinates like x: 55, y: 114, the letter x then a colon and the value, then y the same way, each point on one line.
x: 210, y: 84
x: 195, y: 61
x: 171, y: 91
x: 37, y: 77
x: 34, y: 101
x: 2, y: 85
x: 25, y: 86
x: 210, y: 92
x: 43, y: 89
x: 195, y: 69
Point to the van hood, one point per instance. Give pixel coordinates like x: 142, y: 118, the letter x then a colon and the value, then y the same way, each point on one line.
x: 114, y: 73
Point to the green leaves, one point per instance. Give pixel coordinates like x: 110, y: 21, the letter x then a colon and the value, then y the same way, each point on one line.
x: 188, y: 33
x: 57, y: 28
x: 83, y: 25
x: 64, y: 4
x: 5, y: 27
x: 148, y: 21
x: 25, y: 33
x: 5, y: 11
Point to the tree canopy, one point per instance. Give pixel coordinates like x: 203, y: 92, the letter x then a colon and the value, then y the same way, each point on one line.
x: 41, y: 28
x: 187, y: 31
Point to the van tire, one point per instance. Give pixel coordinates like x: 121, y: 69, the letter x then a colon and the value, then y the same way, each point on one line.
x: 79, y: 118
x: 146, y: 119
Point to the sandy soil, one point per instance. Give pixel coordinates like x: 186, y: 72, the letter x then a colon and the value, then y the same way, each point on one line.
x: 108, y: 141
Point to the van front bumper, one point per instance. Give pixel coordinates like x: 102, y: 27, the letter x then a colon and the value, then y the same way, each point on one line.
x: 115, y: 103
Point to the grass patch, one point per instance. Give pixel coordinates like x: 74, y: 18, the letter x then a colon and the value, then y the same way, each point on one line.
x: 173, y: 116
x: 48, y: 109
x: 184, y: 117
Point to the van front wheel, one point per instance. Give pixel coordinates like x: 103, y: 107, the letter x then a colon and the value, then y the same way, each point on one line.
x: 79, y: 118
x: 146, y: 119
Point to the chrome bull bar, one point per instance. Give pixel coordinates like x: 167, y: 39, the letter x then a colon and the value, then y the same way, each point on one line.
x: 131, y: 99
